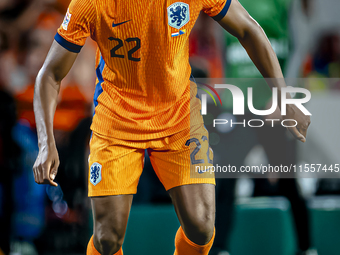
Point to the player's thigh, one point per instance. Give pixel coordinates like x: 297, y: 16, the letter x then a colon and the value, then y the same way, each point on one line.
x: 185, y: 159
x: 193, y: 201
x: 110, y: 217
x: 115, y: 166
x: 195, y: 208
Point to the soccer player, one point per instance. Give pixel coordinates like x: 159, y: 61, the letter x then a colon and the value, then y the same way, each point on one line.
x: 144, y: 100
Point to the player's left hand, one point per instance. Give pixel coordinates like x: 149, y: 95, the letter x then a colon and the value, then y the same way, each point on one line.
x: 300, y: 130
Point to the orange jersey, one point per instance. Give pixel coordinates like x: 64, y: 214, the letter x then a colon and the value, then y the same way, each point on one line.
x: 143, y: 88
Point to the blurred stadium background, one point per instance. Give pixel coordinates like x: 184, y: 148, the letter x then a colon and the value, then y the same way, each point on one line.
x: 254, y: 217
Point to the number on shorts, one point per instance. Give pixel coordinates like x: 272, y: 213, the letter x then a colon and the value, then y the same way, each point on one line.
x: 193, y: 159
x: 204, y: 138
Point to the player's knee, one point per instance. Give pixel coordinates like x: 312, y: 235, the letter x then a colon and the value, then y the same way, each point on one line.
x: 204, y: 229
x: 108, y: 241
x: 201, y: 228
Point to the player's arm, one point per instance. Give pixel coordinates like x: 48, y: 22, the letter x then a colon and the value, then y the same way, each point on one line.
x: 47, y: 85
x: 240, y: 24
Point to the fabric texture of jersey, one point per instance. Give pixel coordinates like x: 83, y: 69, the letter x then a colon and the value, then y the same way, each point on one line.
x: 142, y: 63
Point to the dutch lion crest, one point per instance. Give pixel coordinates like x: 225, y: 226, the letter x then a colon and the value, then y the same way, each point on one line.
x: 95, y: 173
x: 178, y: 15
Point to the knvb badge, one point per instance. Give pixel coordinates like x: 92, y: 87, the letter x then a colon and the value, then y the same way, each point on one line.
x: 178, y: 16
x: 66, y: 20
x: 95, y: 173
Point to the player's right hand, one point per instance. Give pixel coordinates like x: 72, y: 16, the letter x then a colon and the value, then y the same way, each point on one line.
x: 303, y: 121
x: 46, y: 165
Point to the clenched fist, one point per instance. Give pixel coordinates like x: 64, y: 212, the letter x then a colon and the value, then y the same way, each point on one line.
x: 46, y: 165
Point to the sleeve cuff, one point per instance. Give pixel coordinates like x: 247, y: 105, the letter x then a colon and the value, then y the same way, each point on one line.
x: 224, y: 11
x: 66, y: 44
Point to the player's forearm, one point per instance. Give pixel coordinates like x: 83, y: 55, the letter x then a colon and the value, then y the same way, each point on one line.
x: 259, y: 49
x: 263, y: 56
x: 45, y: 102
x: 56, y: 66
x: 240, y: 24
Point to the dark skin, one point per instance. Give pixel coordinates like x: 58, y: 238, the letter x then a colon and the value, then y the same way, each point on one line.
x: 252, y: 37
x: 194, y: 204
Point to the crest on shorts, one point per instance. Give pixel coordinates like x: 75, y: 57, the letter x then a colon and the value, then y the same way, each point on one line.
x: 95, y: 173
x: 178, y: 15
x: 66, y: 20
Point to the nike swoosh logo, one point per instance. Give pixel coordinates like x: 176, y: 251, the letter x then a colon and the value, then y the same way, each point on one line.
x: 118, y: 24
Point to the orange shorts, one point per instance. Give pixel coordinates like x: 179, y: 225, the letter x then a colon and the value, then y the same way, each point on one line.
x: 116, y: 165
